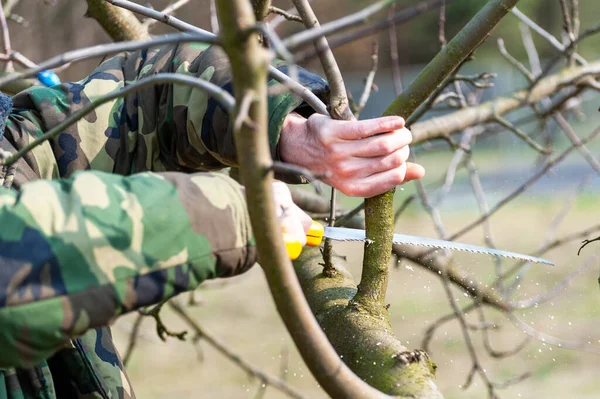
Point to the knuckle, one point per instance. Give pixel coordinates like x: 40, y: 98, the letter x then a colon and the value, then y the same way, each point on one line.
x: 396, y: 159
x: 386, y: 146
x: 343, y: 169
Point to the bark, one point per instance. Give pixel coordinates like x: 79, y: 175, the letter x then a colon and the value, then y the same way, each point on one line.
x: 365, y: 342
x: 120, y: 24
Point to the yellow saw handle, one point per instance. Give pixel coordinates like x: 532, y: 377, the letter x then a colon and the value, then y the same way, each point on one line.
x: 313, y: 239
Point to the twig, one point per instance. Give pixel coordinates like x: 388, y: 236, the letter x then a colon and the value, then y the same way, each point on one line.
x: 539, y: 30
x: 476, y: 367
x: 430, y: 331
x: 575, y: 140
x: 157, y: 15
x: 532, y: 53
x: 523, y: 187
x: 369, y: 81
x: 586, y: 242
x: 312, y: 34
x: 403, y: 16
x: 5, y: 38
x: 514, y: 61
x: 550, y: 340
x: 488, y: 344
x: 567, y: 19
x: 558, y: 288
x: 168, y: 10
x: 104, y: 49
x: 219, y: 94
x: 135, y: 330
x: 588, y: 33
x: 214, y: 20
x: 222, y: 348
x: 285, y: 14
x: 278, y: 19
x: 395, y: 59
x: 161, y: 329
x: 523, y: 136
x: 442, y: 25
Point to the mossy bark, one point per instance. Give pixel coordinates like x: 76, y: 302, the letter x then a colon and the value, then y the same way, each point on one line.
x: 365, y: 342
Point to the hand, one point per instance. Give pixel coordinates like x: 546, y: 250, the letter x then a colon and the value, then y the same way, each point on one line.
x: 294, y: 222
x: 359, y: 158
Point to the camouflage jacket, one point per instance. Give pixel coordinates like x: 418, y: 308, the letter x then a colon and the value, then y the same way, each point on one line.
x: 146, y: 221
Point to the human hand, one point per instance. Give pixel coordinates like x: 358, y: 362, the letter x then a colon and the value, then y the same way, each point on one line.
x: 294, y: 221
x: 359, y: 158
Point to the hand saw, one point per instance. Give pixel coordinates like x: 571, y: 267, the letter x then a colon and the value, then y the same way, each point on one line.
x: 317, y: 232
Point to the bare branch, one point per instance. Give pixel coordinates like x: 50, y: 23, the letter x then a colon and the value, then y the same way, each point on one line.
x: 119, y: 24
x: 395, y: 59
x: 369, y: 80
x: 104, y: 49
x: 514, y: 61
x: 5, y: 38
x: 285, y: 14
x: 300, y: 39
x: 524, y: 186
x: 168, y: 10
x: 222, y: 348
x: 523, y: 136
x: 538, y: 29
x: 403, y: 16
x: 441, y: 126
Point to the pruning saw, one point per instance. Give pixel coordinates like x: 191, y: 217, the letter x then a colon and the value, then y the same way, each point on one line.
x: 317, y: 232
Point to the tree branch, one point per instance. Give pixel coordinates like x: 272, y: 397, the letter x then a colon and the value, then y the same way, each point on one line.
x: 249, y: 62
x: 442, y: 126
x: 118, y: 23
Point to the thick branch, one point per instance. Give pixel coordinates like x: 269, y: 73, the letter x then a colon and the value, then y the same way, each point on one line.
x: 249, y: 63
x: 118, y: 23
x: 379, y: 210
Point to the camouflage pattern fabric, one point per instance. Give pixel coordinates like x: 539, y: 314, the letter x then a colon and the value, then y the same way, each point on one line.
x: 78, y: 249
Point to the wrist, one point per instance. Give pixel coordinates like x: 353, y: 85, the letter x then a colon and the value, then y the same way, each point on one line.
x: 293, y: 132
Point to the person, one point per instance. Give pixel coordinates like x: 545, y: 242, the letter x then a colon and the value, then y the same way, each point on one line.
x: 149, y: 217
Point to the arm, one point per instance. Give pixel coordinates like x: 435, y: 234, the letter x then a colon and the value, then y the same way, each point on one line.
x: 78, y: 252
x: 164, y: 127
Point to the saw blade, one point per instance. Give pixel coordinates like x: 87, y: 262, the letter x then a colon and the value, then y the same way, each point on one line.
x: 345, y: 234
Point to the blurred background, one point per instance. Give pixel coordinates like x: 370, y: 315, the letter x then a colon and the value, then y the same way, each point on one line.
x: 240, y: 311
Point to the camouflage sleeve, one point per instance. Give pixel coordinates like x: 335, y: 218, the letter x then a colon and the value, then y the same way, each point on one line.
x: 80, y: 251
x: 159, y: 128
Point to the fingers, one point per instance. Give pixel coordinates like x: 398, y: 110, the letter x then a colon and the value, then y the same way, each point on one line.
x: 379, y: 145
x: 413, y: 171
x: 355, y: 168
x: 355, y: 130
x: 379, y: 183
x: 305, y: 220
x: 295, y: 223
x: 375, y: 184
